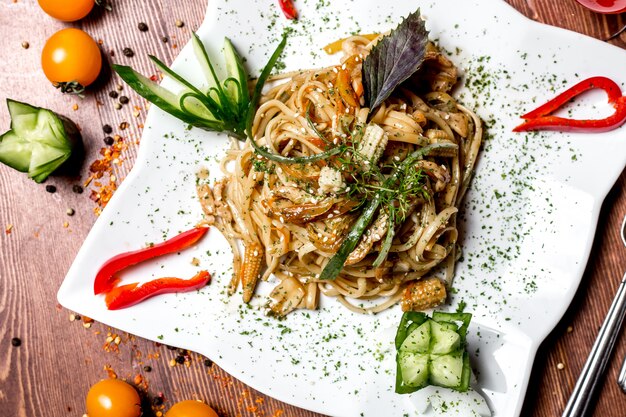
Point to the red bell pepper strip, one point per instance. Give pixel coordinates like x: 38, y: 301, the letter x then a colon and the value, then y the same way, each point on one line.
x: 106, y: 276
x: 289, y: 10
x: 540, y: 118
x: 131, y: 294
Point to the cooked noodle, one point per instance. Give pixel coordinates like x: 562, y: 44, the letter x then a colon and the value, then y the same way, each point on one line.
x: 291, y: 218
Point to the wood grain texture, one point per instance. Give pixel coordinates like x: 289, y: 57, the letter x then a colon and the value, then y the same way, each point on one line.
x: 58, y: 360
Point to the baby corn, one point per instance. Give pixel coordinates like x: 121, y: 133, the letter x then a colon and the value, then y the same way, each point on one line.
x: 424, y: 294
x: 250, y: 269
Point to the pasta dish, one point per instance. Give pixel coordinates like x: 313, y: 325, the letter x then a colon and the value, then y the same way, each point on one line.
x: 333, y: 156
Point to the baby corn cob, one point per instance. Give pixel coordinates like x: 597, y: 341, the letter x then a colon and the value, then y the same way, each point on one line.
x: 249, y: 272
x: 423, y: 294
x: 372, y: 146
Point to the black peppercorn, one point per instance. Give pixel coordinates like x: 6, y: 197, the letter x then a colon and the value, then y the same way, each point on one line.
x: 142, y: 27
x: 128, y: 52
x: 180, y: 359
x: 16, y: 341
x: 108, y: 141
x: 107, y: 129
x: 77, y: 189
x: 165, y: 39
x: 124, y: 100
x: 51, y: 188
x: 147, y: 368
x: 208, y: 362
x: 113, y: 94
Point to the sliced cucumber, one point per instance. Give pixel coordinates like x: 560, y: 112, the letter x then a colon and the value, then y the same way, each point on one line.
x: 418, y: 340
x: 193, y: 113
x: 446, y: 370
x: 437, y: 343
x: 236, y: 84
x: 223, y: 106
x: 205, y: 63
x: 443, y: 338
x: 416, y: 367
x: 15, y: 151
x: 39, y: 141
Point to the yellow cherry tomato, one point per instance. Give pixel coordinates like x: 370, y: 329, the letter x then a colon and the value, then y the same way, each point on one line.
x: 190, y: 408
x: 113, y: 398
x: 71, y: 55
x: 67, y: 10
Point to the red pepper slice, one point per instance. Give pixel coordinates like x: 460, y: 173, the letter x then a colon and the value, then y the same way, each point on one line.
x: 131, y: 294
x: 540, y: 118
x: 106, y: 279
x: 289, y: 10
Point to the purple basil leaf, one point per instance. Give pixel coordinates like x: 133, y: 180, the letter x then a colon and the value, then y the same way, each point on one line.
x: 394, y: 59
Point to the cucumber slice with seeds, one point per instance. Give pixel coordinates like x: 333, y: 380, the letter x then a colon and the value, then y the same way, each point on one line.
x: 416, y: 367
x: 418, y: 340
x: 443, y: 338
x: 446, y: 370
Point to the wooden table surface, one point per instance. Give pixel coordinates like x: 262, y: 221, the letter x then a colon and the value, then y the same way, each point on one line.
x: 59, y: 358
